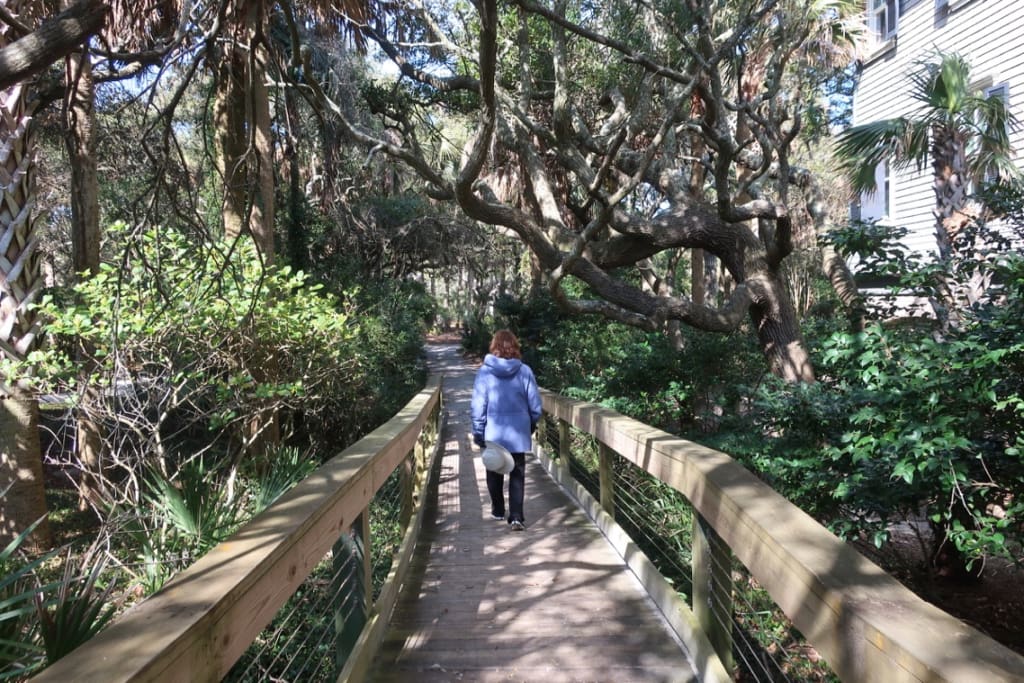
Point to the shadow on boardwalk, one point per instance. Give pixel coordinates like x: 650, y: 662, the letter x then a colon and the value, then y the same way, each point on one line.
x: 483, y: 603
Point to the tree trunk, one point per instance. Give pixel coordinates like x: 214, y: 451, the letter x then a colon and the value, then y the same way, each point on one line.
x: 832, y: 264
x: 265, y: 429
x: 845, y: 287
x: 697, y: 277
x: 698, y: 272
x: 296, y: 230
x: 229, y: 122
x: 948, y: 171
x: 20, y: 285
x: 778, y: 330
x: 80, y: 141
x: 245, y: 160
x: 21, y: 473
x: 263, y: 202
x: 711, y: 288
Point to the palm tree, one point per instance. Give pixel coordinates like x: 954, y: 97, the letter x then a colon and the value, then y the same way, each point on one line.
x: 21, y: 475
x: 965, y: 135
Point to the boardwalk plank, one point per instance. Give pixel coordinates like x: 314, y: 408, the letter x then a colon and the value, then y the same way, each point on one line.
x: 554, y: 603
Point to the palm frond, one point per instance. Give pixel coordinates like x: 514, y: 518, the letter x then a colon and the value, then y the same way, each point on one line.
x: 20, y: 651
x: 941, y: 83
x: 142, y: 24
x: 77, y: 612
x: 952, y: 86
x: 861, y: 148
x: 286, y: 467
x: 197, y: 507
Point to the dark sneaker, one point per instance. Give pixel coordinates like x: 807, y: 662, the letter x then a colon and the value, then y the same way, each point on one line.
x: 517, y: 525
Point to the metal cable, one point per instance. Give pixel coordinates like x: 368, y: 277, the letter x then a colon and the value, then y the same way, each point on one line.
x: 766, y: 646
x: 302, y: 642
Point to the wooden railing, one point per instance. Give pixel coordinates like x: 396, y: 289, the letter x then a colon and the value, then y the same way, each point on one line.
x: 204, y: 619
x: 867, y: 625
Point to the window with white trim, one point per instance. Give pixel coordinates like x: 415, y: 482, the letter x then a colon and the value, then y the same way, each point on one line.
x: 885, y: 187
x: 1002, y: 91
x: 877, y: 204
x: 883, y: 19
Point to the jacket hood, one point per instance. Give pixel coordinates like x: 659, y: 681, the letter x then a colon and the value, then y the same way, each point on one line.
x: 502, y: 367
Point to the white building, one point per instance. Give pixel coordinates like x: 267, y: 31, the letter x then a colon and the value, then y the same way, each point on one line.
x: 988, y: 33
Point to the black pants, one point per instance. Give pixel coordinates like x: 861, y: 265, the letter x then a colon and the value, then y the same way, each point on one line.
x: 516, y: 489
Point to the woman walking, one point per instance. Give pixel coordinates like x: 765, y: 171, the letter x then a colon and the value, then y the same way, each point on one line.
x: 505, y: 409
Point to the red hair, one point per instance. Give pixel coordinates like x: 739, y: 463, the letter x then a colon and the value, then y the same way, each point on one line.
x: 505, y: 345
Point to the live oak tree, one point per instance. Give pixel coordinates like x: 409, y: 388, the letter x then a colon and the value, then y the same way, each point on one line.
x: 591, y: 126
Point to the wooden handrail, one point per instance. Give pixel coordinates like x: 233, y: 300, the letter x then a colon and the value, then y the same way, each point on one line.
x: 200, y: 623
x: 867, y: 625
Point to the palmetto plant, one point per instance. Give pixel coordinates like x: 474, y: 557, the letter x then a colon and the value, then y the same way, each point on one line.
x: 196, y: 504
x: 20, y: 650
x: 285, y: 467
x: 76, y: 610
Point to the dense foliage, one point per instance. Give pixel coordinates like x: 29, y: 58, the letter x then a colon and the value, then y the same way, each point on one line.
x: 216, y: 376
x: 191, y: 338
x: 637, y: 373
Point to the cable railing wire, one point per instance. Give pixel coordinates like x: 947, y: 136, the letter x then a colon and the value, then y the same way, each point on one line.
x: 766, y: 646
x: 309, y: 638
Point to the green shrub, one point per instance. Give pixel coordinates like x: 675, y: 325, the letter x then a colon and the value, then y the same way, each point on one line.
x: 186, y: 341
x: 909, y: 423
x: 189, y: 341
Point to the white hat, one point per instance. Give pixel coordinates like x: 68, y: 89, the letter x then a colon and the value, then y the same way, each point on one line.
x: 497, y: 458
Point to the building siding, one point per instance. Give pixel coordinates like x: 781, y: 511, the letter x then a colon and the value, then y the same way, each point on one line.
x: 990, y: 34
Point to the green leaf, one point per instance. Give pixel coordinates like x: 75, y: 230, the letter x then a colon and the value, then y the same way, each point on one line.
x: 904, y: 470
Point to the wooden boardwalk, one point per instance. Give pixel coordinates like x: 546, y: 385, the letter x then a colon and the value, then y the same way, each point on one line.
x: 554, y: 603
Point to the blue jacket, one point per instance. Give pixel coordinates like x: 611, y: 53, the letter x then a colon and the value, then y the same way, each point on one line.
x: 506, y: 403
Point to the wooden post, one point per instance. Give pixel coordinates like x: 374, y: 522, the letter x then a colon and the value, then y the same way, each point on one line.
x: 353, y: 586
x: 367, y: 546
x: 407, y: 474
x: 541, y: 440
x: 427, y: 438
x: 712, y: 588
x: 563, y: 442
x: 419, y: 466
x: 606, y: 473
